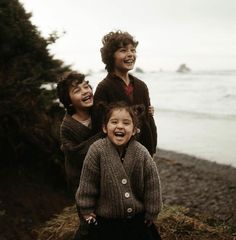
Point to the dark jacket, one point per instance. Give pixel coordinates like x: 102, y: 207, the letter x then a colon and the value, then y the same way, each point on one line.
x: 111, y: 89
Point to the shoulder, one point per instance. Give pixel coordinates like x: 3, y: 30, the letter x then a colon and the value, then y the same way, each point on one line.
x: 138, y: 82
x: 104, y: 81
x: 67, y: 121
x: 70, y: 123
x: 98, y: 145
x: 138, y: 148
x: 102, y: 87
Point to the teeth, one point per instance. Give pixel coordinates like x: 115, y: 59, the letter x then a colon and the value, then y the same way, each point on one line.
x: 119, y: 134
x: 86, y: 98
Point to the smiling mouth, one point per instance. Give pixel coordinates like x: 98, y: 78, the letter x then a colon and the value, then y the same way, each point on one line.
x: 129, y: 61
x: 89, y: 97
x: 119, y: 134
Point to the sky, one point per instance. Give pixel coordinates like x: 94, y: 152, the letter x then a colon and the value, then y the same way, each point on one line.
x: 199, y: 33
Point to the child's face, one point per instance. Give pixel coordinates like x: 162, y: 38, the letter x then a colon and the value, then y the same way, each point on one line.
x: 124, y: 58
x: 81, y: 95
x: 120, y: 127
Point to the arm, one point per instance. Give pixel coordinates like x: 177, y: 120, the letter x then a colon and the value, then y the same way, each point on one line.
x: 100, y: 94
x: 88, y: 191
x: 151, y: 120
x: 72, y: 145
x: 101, y: 100
x: 152, y: 190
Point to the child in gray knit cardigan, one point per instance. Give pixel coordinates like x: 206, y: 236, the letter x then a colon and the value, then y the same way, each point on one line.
x: 119, y: 193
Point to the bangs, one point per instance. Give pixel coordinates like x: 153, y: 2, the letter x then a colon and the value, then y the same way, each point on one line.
x: 126, y: 41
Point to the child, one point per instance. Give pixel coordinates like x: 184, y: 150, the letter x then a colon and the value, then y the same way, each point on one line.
x: 76, y: 134
x: 119, y: 189
x: 119, y: 55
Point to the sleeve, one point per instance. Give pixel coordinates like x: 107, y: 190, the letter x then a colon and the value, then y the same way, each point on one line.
x: 152, y: 189
x: 88, y: 191
x: 101, y: 100
x: 151, y: 121
x: 72, y: 145
x: 100, y: 94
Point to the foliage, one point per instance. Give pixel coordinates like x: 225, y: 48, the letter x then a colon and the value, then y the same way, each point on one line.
x: 27, y: 111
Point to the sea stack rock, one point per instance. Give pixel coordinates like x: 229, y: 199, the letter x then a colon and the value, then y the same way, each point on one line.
x: 183, y: 69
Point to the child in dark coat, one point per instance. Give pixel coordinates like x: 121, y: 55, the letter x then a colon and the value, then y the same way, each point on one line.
x: 119, y: 55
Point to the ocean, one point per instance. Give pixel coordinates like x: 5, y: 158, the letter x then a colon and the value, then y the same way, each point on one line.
x: 195, y: 112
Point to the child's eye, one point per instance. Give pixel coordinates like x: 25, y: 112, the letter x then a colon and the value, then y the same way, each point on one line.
x: 113, y: 122
x: 122, y: 50
x: 127, y: 123
x: 76, y: 90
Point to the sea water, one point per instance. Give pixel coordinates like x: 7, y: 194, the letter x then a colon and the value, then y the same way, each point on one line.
x: 195, y: 112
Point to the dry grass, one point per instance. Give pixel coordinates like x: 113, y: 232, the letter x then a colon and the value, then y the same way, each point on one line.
x: 61, y: 227
x: 174, y: 223
x: 177, y: 223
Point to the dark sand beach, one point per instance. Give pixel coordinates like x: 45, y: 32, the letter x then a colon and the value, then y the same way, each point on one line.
x: 204, y: 187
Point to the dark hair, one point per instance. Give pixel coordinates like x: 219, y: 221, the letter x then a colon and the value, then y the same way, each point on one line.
x: 67, y: 80
x: 120, y: 105
x: 113, y: 41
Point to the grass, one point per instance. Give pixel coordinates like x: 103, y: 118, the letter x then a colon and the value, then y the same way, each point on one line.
x: 174, y: 223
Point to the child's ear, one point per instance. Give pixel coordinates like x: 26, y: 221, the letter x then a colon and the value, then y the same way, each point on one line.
x: 104, y: 129
x: 135, y: 131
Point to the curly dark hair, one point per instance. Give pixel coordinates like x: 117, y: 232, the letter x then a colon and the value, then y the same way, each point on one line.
x: 67, y: 80
x: 113, y: 41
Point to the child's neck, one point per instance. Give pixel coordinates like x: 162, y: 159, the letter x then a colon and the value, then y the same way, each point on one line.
x: 81, y: 115
x: 121, y: 150
x: 123, y: 75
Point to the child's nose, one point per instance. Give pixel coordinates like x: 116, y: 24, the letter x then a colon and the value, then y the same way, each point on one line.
x: 130, y: 53
x: 84, y: 90
x: 119, y: 125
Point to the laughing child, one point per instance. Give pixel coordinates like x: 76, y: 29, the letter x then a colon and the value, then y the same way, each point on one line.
x: 119, y: 193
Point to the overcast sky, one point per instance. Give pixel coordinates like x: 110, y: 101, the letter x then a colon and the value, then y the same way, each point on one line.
x: 200, y: 33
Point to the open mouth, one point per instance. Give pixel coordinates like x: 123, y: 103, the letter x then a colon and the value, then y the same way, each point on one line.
x: 129, y: 61
x: 119, y: 134
x: 86, y: 98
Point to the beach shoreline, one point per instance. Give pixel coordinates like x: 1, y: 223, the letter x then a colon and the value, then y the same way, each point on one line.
x: 203, y: 186
x: 199, y: 163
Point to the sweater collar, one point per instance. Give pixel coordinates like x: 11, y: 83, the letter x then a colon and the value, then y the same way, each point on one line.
x: 114, y: 76
x: 129, y: 161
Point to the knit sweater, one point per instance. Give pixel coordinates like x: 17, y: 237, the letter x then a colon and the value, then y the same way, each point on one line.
x: 112, y: 189
x: 76, y: 139
x: 111, y: 89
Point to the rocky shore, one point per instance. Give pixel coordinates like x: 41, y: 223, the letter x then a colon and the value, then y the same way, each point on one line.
x: 202, y: 186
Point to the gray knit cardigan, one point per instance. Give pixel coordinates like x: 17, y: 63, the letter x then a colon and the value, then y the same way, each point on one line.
x: 112, y: 189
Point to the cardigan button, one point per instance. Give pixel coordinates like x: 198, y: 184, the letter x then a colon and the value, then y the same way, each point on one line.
x: 129, y: 210
x: 127, y: 195
x: 124, y: 181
